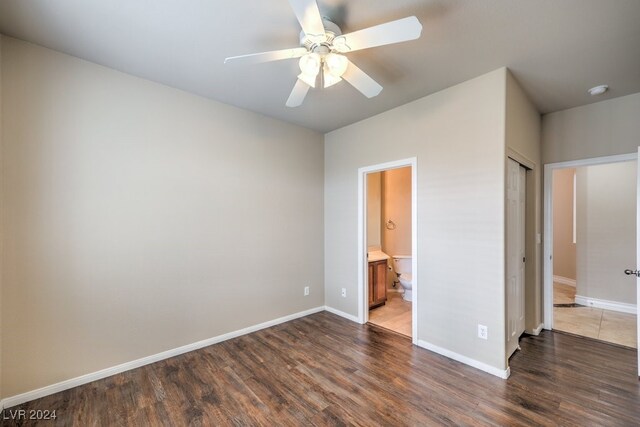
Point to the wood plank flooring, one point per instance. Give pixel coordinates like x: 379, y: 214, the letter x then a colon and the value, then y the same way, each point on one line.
x: 324, y: 370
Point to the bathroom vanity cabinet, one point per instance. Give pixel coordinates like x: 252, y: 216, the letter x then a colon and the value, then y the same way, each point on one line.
x: 377, y: 283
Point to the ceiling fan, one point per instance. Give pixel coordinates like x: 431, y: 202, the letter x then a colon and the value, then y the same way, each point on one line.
x: 322, y: 46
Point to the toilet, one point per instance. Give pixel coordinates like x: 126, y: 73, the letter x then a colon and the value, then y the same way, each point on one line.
x: 402, y: 267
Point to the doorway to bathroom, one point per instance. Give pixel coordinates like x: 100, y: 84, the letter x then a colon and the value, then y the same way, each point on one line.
x: 387, y: 253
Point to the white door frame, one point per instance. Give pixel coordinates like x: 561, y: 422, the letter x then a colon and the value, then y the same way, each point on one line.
x: 548, y: 221
x: 363, y: 297
x: 512, y: 341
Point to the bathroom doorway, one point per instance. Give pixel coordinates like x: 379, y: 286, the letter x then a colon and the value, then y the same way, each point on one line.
x: 387, y: 250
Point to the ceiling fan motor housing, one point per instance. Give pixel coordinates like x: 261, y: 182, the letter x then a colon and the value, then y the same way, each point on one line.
x: 314, y: 42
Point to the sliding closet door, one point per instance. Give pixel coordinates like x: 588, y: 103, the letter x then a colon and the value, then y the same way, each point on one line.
x: 516, y: 200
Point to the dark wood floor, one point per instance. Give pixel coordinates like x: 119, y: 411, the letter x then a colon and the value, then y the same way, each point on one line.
x: 324, y: 370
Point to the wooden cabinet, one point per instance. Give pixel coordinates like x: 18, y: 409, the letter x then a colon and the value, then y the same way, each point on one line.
x: 377, y: 283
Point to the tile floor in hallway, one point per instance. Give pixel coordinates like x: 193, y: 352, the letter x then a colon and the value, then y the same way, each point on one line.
x: 394, y: 315
x: 605, y: 325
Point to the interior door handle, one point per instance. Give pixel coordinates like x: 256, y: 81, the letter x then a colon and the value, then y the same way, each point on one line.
x: 630, y: 272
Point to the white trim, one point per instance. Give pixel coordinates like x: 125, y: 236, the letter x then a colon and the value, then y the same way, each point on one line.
x: 574, y: 209
x: 363, y: 309
x: 342, y: 314
x: 362, y: 245
x: 564, y: 280
x: 414, y: 250
x: 606, y: 304
x: 548, y: 226
x: 605, y: 160
x: 504, y: 374
x: 520, y: 158
x: 638, y: 258
x: 84, y: 379
x: 535, y: 331
x: 547, y: 240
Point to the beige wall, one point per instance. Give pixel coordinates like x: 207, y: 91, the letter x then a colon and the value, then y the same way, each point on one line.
x: 522, y: 139
x: 601, y: 129
x: 374, y: 208
x: 606, y: 231
x: 139, y: 218
x: 396, y: 189
x: 564, y: 250
x: 457, y: 136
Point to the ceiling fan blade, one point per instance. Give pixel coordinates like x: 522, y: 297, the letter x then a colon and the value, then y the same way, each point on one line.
x: 275, y: 55
x: 361, y: 81
x: 392, y: 32
x: 309, y: 17
x: 297, y: 94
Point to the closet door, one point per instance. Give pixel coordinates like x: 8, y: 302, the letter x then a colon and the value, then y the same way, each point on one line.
x: 515, y: 227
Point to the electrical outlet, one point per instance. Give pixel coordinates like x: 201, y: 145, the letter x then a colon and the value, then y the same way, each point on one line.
x: 344, y: 292
x: 483, y: 332
x: 306, y: 291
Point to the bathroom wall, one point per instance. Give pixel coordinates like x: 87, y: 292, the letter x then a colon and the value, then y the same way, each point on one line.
x: 606, y: 231
x: 564, y: 250
x: 138, y: 218
x: 374, y: 208
x: 396, y: 206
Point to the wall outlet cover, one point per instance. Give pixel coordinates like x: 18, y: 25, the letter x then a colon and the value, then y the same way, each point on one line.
x: 344, y: 292
x: 483, y: 332
x: 306, y: 291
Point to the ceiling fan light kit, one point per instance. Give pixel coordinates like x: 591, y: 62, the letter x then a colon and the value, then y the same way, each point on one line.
x: 336, y: 64
x: 322, y: 45
x: 310, y: 67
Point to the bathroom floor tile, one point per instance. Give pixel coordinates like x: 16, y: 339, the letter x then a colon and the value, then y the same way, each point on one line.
x: 583, y: 321
x: 563, y: 294
x: 605, y: 325
x: 619, y: 328
x: 394, y: 315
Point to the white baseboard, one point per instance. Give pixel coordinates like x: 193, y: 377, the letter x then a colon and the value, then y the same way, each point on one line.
x: 535, y: 331
x: 466, y: 360
x: 342, y: 314
x: 607, y: 305
x: 84, y: 379
x: 565, y: 280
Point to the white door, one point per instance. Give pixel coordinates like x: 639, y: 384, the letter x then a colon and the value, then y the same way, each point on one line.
x: 516, y: 192
x: 636, y: 270
x: 638, y: 260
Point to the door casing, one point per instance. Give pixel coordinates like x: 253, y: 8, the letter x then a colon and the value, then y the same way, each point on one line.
x: 548, y: 222
x: 363, y: 298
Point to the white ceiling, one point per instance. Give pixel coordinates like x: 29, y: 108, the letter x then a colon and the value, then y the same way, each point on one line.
x: 556, y: 49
